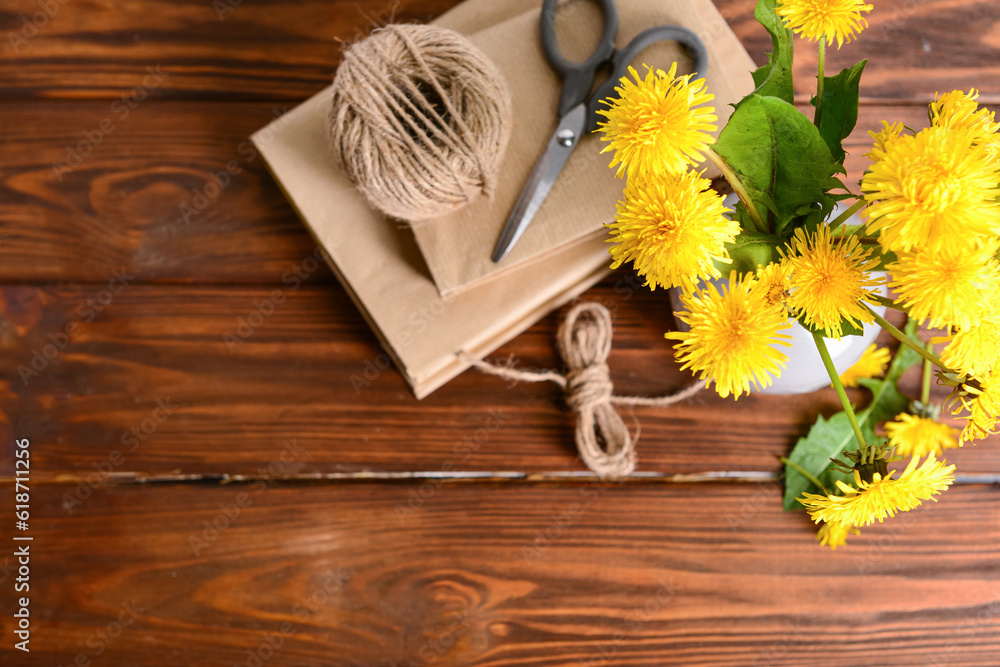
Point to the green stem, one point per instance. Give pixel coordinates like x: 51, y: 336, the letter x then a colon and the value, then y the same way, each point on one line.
x: 843, y: 217
x: 805, y: 473
x: 820, y: 80
x: 841, y: 394
x: 909, y: 342
x: 738, y: 188
x: 888, y: 303
x: 925, y: 386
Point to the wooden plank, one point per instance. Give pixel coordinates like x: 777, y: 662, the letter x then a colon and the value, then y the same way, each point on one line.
x: 312, y: 373
x: 204, y: 49
x: 165, y: 192
x: 289, y: 50
x: 146, y: 196
x: 500, y: 574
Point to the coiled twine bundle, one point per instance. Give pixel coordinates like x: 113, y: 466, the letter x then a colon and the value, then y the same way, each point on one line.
x: 419, y: 121
x: 602, y: 439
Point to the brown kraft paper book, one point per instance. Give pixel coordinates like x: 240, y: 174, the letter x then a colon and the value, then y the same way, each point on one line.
x: 382, y: 269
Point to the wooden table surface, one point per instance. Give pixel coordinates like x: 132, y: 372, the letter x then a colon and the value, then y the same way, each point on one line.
x: 196, y: 505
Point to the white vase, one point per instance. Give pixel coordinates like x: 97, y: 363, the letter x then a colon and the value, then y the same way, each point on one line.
x: 804, y: 372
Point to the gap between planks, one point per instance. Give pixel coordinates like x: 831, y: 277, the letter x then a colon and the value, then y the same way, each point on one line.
x: 713, y: 476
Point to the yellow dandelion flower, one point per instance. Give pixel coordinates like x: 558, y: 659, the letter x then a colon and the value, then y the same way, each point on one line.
x: 732, y: 335
x: 776, y: 281
x: 653, y: 126
x: 882, y: 496
x: 835, y: 534
x: 934, y: 190
x: 948, y: 287
x: 919, y: 436
x: 872, y: 364
x: 884, y: 138
x: 831, y: 20
x: 981, y: 398
x: 960, y: 110
x: 976, y: 350
x: 672, y: 228
x: 830, y: 280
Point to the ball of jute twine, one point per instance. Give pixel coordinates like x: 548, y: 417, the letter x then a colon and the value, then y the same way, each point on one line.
x: 419, y: 120
x: 584, y: 340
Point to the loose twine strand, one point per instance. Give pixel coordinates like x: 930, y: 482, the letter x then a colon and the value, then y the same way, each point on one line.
x: 584, y: 340
x: 419, y: 120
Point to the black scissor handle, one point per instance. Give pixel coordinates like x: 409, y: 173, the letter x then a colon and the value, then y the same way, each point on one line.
x: 578, y: 78
x: 619, y: 64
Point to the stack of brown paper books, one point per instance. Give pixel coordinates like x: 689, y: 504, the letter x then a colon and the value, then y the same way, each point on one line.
x: 431, y: 292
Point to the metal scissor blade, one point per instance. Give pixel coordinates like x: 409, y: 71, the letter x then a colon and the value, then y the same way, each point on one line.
x: 562, y: 143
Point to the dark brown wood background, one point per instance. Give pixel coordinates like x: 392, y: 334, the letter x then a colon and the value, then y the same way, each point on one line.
x: 280, y: 514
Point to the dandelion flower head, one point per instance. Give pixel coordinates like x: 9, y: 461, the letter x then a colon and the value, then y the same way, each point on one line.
x: 672, y: 228
x: 871, y: 364
x: 830, y: 280
x: 975, y: 350
x: 960, y: 110
x: 881, y: 497
x: 732, y: 336
x: 913, y: 435
x: 831, y: 20
x: 934, y: 190
x: 776, y: 281
x: 884, y: 138
x: 656, y: 125
x: 980, y: 396
x: 947, y: 287
x: 835, y: 534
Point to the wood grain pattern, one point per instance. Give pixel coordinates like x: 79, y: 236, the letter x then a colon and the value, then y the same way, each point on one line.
x: 207, y: 49
x: 339, y: 401
x: 289, y: 50
x: 504, y: 574
x: 150, y: 192
x: 122, y: 305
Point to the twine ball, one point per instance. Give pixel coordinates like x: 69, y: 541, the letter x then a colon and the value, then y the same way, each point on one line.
x: 419, y: 120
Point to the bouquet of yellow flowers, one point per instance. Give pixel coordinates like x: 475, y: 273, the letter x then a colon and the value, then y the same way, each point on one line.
x: 930, y: 210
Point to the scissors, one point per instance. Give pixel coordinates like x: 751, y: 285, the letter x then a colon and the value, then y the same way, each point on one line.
x: 577, y: 114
